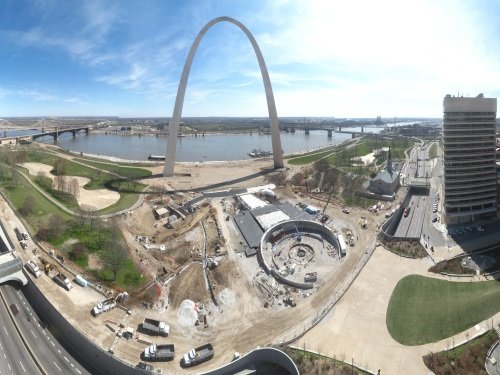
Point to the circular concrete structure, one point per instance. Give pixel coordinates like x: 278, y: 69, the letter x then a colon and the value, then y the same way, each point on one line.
x: 290, y: 250
x: 181, y: 92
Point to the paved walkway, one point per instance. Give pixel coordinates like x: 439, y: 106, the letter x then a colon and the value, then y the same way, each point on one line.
x: 356, y: 331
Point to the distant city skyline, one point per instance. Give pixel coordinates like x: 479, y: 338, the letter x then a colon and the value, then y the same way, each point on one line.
x: 325, y: 58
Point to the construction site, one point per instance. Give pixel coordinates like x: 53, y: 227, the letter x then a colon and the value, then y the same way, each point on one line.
x: 236, y: 270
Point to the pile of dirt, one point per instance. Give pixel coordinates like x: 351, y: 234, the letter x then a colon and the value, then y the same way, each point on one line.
x: 227, y: 297
x: 187, y: 314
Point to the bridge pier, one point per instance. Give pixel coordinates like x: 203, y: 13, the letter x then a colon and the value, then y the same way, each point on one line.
x: 74, y: 133
x: 329, y: 134
x: 306, y: 131
x: 56, y: 135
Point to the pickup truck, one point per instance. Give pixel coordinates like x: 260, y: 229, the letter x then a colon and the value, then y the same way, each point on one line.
x: 33, y: 268
x: 198, y: 355
x: 165, y: 352
x: 103, y: 306
x: 155, y: 327
x: 62, y: 280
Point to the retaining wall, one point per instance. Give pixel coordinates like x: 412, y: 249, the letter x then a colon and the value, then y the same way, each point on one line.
x: 302, y: 225
x: 93, y: 358
x: 270, y: 355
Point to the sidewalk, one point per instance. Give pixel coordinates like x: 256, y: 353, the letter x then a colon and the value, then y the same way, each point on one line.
x: 356, y: 331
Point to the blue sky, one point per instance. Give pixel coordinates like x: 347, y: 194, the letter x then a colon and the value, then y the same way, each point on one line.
x: 325, y: 58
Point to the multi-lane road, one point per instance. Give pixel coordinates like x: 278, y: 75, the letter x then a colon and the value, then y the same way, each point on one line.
x: 14, y: 358
x: 51, y: 356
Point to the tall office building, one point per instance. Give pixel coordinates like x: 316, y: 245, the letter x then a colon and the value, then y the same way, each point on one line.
x: 470, y: 180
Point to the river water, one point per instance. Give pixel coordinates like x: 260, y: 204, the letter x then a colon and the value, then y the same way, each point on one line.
x: 208, y: 148
x: 190, y: 148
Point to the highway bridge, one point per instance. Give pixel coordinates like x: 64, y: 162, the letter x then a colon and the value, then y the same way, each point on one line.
x: 54, y: 134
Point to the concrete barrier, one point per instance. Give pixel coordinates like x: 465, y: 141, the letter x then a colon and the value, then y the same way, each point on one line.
x: 260, y: 355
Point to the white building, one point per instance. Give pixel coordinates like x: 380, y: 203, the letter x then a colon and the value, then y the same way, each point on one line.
x: 470, y: 180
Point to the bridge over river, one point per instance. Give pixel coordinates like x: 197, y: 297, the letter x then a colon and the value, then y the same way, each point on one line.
x: 54, y: 134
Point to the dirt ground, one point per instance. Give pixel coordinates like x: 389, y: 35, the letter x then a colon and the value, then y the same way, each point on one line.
x: 97, y: 199
x: 240, y: 322
x: 189, y: 285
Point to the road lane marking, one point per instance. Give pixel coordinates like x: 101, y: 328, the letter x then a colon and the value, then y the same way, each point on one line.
x: 54, y: 345
x: 67, y: 360
x: 5, y: 329
x: 59, y: 350
x: 33, y: 333
x: 55, y: 364
x: 78, y: 371
x: 4, y: 356
x: 8, y: 364
x: 22, y: 366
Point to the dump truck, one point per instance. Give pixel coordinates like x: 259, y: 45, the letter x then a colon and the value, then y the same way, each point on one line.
x: 155, y: 327
x: 62, y: 280
x: 103, y: 306
x: 33, y: 268
x: 18, y: 234
x: 165, y: 352
x: 198, y: 355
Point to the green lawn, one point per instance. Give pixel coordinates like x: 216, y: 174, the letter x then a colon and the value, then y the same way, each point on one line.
x: 124, y: 171
x: 42, y: 207
x: 424, y: 310
x: 309, y: 157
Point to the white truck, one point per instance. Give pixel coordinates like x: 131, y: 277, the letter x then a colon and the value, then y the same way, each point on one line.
x: 103, y: 306
x: 155, y: 327
x: 198, y: 355
x: 62, y: 280
x: 165, y: 352
x: 342, y: 245
x: 33, y: 268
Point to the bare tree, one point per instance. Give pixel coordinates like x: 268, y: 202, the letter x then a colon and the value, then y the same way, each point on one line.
x: 60, y: 183
x: 114, y: 255
x: 89, y: 212
x: 74, y: 188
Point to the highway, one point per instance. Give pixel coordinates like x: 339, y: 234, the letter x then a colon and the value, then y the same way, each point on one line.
x: 53, y: 357
x: 14, y: 357
x: 411, y: 226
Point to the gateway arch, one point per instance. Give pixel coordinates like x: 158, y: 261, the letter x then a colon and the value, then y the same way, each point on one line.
x: 181, y: 92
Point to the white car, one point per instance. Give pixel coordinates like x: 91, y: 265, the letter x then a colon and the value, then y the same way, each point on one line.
x: 345, y: 210
x: 480, y: 229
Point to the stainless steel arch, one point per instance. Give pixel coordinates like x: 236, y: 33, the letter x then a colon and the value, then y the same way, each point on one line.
x: 181, y: 92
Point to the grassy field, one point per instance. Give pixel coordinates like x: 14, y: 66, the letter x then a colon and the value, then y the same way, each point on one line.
x: 309, y: 157
x: 41, y: 207
x: 99, y: 180
x: 122, y: 170
x: 423, y: 310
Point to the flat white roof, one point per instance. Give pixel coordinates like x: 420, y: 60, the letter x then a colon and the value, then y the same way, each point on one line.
x: 252, y: 202
x: 161, y: 211
x: 256, y: 189
x: 268, y: 220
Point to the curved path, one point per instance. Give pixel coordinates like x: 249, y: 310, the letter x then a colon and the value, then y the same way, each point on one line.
x: 181, y: 92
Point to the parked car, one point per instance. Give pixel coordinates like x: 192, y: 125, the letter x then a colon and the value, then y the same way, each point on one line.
x: 434, y: 219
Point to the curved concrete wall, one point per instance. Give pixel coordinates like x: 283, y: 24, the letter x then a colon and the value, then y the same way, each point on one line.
x: 269, y: 355
x: 181, y: 92
x: 305, y: 225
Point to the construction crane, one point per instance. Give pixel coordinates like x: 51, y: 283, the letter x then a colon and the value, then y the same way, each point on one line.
x: 324, y: 217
